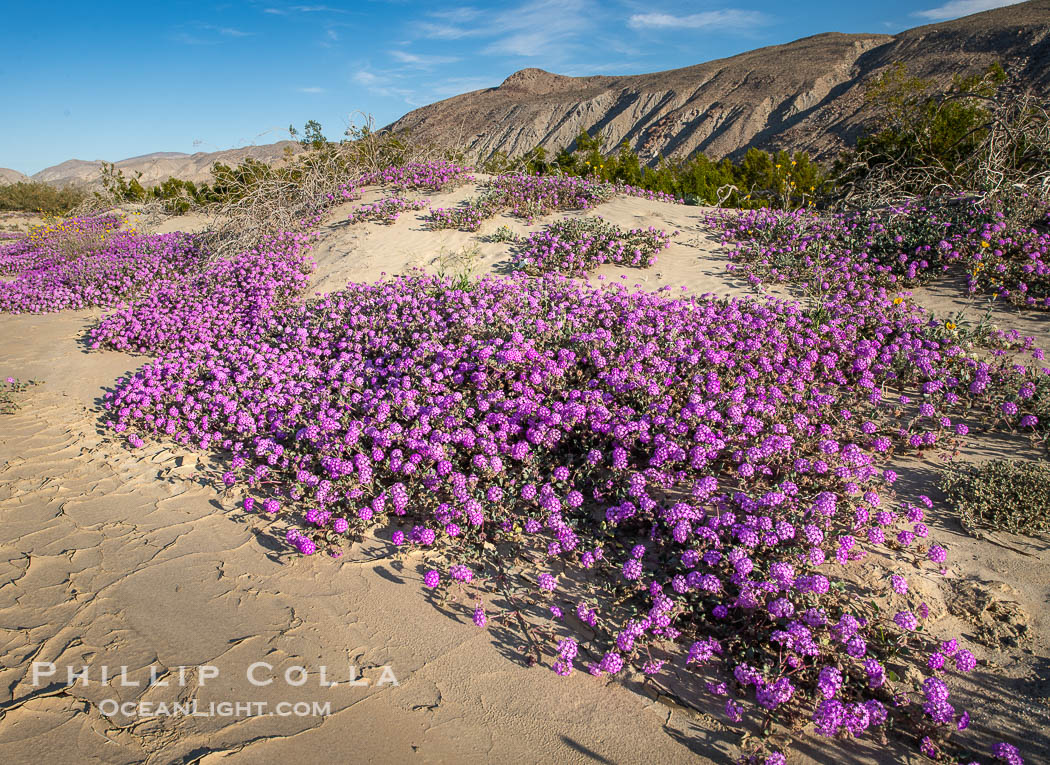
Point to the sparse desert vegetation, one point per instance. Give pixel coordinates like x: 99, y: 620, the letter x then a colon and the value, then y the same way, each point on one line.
x: 1010, y: 495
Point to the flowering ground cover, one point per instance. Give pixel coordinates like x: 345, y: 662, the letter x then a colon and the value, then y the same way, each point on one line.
x: 712, y: 463
x: 673, y: 479
x: 434, y: 176
x: 578, y: 245
x: 894, y: 247
x: 386, y: 210
x: 531, y: 196
x: 206, y: 306
x: 86, y: 262
x: 10, y: 391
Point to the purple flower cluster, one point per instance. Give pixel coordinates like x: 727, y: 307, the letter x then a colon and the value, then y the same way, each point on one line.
x: 577, y: 245
x: 524, y: 196
x: 201, y: 307
x: 385, y: 210
x: 846, y: 263
x: 525, y: 409
x: 86, y: 262
x: 894, y: 247
x: 532, y: 196
x: 436, y: 175
x: 627, y: 190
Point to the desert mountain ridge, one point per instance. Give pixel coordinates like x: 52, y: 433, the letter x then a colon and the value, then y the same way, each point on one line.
x: 803, y: 95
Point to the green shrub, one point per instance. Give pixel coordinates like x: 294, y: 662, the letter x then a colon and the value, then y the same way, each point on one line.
x: 37, y: 196
x: 760, y: 179
x: 977, y: 137
x: 1007, y: 495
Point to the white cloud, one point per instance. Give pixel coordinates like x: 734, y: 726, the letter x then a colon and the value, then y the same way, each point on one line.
x: 457, y: 15
x: 188, y: 39
x: 444, y: 31
x: 729, y: 18
x: 422, y: 61
x: 539, y: 28
x: 317, y: 9
x: 956, y: 8
x: 589, y: 70
x: 311, y: 89
x: 384, y: 84
x: 205, y: 34
x: 303, y: 9
x: 227, y: 31
x: 522, y: 43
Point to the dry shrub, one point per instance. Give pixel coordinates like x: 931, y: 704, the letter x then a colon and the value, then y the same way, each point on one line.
x: 981, y: 140
x: 293, y: 197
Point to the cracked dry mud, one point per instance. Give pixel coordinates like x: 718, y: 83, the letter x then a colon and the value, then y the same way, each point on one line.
x: 118, y: 558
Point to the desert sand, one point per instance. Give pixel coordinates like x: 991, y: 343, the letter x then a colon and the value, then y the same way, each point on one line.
x: 135, y: 559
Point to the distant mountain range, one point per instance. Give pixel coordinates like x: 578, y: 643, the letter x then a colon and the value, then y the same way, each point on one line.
x: 155, y: 167
x: 805, y: 95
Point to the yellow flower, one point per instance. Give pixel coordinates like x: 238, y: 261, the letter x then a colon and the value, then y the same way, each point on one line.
x: 898, y: 300
x: 985, y: 244
x: 949, y: 325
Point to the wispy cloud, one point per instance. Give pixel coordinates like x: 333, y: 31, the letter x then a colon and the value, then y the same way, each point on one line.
x: 460, y: 15
x: 226, y: 31
x: 437, y: 31
x: 727, y: 19
x: 274, y: 11
x: 421, y: 61
x: 384, y: 84
x: 311, y: 89
x: 185, y: 38
x: 539, y: 28
x: 587, y: 70
x: 448, y: 24
x: 957, y: 8
x: 205, y: 34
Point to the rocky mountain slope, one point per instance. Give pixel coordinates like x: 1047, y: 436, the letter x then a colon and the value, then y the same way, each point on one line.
x: 806, y: 95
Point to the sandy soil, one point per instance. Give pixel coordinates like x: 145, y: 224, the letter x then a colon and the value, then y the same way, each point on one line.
x: 112, y: 558
x: 18, y: 222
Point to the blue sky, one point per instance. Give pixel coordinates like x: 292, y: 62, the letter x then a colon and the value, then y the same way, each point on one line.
x: 107, y: 80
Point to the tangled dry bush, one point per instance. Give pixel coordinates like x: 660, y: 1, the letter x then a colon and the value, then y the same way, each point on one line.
x: 288, y: 200
x: 981, y: 140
